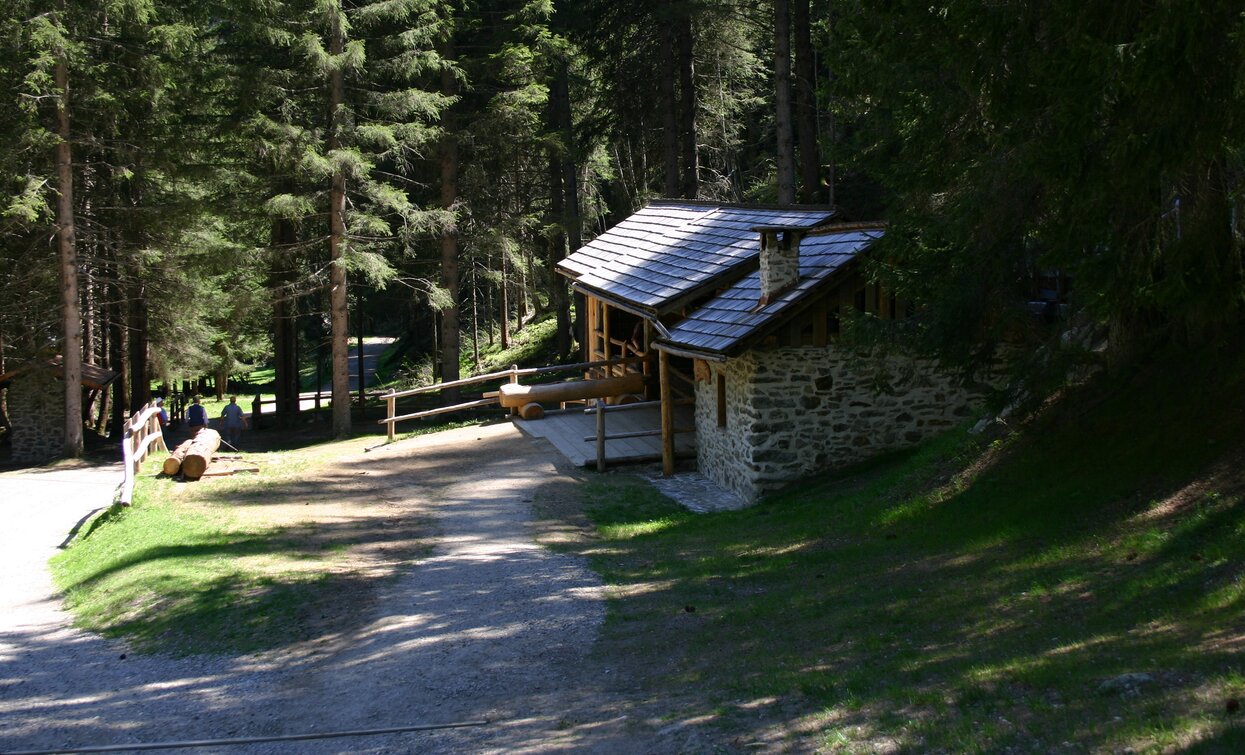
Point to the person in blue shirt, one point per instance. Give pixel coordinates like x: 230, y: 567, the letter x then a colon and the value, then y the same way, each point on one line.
x: 235, y: 420
x: 196, y: 417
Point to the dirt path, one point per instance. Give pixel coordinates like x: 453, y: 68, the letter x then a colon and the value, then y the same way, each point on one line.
x: 373, y: 347
x: 489, y: 626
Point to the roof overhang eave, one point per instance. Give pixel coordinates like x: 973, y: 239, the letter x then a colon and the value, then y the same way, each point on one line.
x: 638, y: 310
x: 678, y: 350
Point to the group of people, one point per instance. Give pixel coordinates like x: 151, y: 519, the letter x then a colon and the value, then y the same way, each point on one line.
x: 234, y: 419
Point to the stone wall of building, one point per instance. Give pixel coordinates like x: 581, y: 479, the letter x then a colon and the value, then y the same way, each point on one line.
x: 36, y: 404
x: 794, y: 411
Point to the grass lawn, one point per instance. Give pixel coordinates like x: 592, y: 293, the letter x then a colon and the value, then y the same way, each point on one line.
x: 244, y: 563
x: 962, y: 597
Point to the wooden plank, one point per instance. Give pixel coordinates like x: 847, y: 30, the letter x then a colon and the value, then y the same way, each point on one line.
x: 636, y: 434
x: 442, y: 410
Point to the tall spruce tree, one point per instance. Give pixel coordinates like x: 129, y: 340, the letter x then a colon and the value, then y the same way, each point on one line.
x: 353, y: 119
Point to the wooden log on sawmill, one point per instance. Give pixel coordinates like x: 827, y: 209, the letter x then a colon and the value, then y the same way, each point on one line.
x: 514, y: 395
x: 199, y: 455
x: 173, y: 464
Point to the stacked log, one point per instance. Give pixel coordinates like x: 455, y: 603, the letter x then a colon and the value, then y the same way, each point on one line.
x: 199, y: 455
x: 173, y: 464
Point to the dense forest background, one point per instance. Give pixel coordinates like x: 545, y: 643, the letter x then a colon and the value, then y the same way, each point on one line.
x: 194, y: 187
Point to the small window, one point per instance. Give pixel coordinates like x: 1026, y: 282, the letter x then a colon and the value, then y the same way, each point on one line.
x: 721, y: 400
x: 832, y: 323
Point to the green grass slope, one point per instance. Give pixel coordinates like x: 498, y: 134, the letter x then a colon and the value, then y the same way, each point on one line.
x: 1080, y: 584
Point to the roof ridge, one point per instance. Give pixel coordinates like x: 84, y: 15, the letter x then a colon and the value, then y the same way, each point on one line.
x: 867, y: 225
x: 668, y: 201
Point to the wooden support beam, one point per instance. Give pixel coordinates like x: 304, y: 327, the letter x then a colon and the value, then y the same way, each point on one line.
x: 390, y: 402
x: 605, y: 337
x: 636, y: 434
x: 600, y: 437
x: 667, y: 416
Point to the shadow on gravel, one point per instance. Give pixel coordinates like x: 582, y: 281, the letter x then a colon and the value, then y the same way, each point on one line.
x: 486, y: 626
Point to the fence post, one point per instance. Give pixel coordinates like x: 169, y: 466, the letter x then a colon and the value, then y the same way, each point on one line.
x: 514, y: 378
x: 600, y: 435
x: 391, y: 401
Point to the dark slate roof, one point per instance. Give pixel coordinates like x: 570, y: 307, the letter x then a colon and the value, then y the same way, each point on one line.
x: 731, y: 320
x: 674, y: 250
x: 93, y: 376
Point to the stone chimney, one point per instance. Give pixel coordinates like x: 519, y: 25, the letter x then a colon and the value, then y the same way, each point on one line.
x: 780, y: 261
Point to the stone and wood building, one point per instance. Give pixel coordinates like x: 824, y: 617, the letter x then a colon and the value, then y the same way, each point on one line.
x: 741, y: 307
x: 36, y: 406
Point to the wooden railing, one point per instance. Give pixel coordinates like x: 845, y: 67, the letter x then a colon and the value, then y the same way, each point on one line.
x: 319, y: 397
x: 513, y: 374
x: 141, y: 433
x: 600, y: 409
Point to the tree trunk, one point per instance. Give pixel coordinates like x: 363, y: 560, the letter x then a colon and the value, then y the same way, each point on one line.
x: 687, y: 104
x: 557, y: 231
x: 450, y: 336
x: 140, y: 377
x: 475, y: 318
x: 557, y: 252
x: 504, y: 310
x: 359, y: 364
x: 669, y: 104
x: 71, y: 323
x: 806, y: 104
x: 4, y: 392
x: 573, y: 221
x: 105, y: 349
x: 782, y: 102
x: 338, y: 313
x: 118, y: 343
x: 284, y: 324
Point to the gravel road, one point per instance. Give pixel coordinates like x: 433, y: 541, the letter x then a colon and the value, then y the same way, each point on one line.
x: 490, y: 626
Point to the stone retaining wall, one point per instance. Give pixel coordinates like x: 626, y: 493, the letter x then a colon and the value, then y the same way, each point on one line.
x: 794, y: 411
x: 36, y: 404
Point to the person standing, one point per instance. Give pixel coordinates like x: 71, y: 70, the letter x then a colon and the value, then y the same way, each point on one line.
x: 162, y: 416
x: 235, y: 421
x: 196, y: 417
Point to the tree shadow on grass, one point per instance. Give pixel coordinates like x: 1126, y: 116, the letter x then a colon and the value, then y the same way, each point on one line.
x: 1004, y: 612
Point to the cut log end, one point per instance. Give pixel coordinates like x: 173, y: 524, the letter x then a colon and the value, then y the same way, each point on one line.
x: 531, y: 411
x: 173, y: 464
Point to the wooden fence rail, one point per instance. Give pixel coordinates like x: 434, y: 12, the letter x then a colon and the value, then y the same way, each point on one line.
x: 513, y: 374
x: 319, y: 397
x: 600, y: 409
x: 141, y: 433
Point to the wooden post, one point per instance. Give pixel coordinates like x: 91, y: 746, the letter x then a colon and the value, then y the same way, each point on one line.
x: 391, y: 402
x: 667, y: 415
x: 590, y: 333
x: 600, y: 435
x: 514, y: 378
x: 606, y: 346
x: 647, y: 366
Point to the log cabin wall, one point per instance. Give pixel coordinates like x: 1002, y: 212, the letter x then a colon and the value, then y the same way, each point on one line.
x: 612, y: 333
